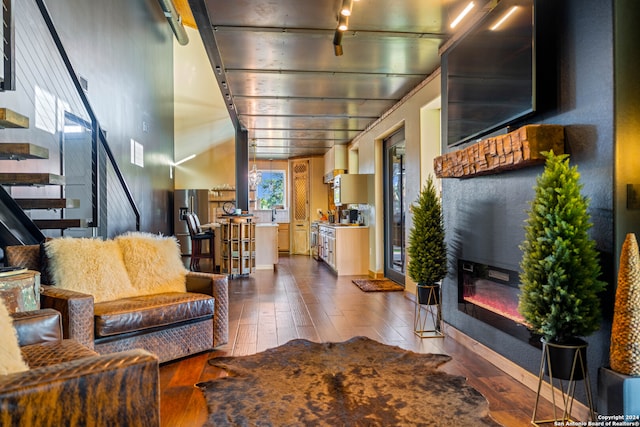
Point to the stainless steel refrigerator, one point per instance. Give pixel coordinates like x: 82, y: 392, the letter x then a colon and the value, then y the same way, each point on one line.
x: 196, y: 201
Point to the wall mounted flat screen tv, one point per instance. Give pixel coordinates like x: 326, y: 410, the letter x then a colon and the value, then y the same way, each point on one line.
x: 490, y: 73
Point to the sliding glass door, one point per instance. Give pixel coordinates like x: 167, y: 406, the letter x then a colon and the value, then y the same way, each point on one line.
x: 394, y: 207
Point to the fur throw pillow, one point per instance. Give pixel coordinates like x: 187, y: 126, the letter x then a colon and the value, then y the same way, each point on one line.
x: 90, y: 266
x: 10, y: 357
x: 154, y: 262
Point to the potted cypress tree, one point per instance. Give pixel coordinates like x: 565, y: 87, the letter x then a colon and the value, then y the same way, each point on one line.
x: 427, y: 249
x: 560, y: 269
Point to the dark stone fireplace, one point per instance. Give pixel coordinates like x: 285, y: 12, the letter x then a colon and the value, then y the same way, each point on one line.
x: 490, y: 294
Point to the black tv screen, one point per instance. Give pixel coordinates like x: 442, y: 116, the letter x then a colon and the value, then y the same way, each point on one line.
x: 490, y: 78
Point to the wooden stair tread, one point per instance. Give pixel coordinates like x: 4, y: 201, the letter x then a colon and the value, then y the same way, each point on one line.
x: 48, y: 203
x: 21, y: 151
x: 57, y: 224
x: 27, y: 179
x: 11, y: 119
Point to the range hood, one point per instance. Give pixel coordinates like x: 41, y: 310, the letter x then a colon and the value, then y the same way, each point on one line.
x: 329, y: 176
x: 351, y: 189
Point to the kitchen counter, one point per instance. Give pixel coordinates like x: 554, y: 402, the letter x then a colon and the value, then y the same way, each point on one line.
x: 344, y: 248
x: 266, y: 245
x: 339, y: 225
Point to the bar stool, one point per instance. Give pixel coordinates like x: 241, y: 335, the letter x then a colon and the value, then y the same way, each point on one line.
x: 197, y: 236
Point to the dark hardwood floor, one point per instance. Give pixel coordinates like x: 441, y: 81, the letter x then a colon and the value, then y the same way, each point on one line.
x: 303, y: 299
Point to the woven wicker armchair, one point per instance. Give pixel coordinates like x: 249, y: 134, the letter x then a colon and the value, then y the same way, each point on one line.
x: 69, y: 384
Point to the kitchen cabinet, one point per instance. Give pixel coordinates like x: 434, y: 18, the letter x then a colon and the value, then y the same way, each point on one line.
x: 345, y: 248
x: 283, y: 237
x: 328, y: 245
x: 335, y: 162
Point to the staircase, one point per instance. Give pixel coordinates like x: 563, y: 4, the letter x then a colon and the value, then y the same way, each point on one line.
x: 16, y: 227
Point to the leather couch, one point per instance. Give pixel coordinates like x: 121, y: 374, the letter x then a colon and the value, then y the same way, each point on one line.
x: 171, y: 325
x: 69, y: 384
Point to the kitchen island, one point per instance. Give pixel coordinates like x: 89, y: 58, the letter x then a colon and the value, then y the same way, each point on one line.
x: 266, y: 245
x: 344, y: 248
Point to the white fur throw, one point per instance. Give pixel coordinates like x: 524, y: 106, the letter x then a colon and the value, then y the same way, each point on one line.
x: 90, y: 266
x: 10, y: 357
x: 153, y: 262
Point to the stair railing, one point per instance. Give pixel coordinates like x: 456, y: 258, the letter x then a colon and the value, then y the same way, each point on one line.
x: 8, y: 81
x: 98, y: 135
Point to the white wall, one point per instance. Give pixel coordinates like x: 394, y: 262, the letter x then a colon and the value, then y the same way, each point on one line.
x: 201, y: 120
x: 419, y: 114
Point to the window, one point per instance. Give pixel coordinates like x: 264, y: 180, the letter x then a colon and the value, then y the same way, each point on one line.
x: 270, y: 193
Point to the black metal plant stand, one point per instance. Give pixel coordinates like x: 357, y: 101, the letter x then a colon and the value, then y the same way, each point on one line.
x: 578, y: 372
x: 427, y: 320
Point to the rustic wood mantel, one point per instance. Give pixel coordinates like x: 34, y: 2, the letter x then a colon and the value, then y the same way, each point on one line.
x: 514, y: 150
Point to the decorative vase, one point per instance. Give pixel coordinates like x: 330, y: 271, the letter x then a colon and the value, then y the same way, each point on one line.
x: 625, y: 332
x: 428, y: 294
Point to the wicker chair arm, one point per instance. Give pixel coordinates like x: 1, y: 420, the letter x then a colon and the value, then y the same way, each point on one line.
x: 76, y: 309
x: 216, y: 285
x: 80, y: 392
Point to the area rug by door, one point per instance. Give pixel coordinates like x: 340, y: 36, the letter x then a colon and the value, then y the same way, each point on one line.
x: 377, y: 285
x: 359, y: 382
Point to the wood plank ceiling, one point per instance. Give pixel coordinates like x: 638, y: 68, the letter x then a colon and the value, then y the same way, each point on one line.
x: 278, y: 71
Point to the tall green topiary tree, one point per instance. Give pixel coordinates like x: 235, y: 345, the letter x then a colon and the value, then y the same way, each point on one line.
x: 427, y: 249
x: 560, y: 269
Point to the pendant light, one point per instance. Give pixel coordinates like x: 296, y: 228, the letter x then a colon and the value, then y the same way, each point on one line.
x: 255, y: 176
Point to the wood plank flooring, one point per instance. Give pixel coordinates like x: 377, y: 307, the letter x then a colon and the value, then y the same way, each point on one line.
x: 303, y: 299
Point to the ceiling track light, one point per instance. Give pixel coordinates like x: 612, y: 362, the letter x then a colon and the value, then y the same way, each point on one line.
x: 343, y: 23
x: 347, y: 5
x: 337, y: 38
x: 337, y: 43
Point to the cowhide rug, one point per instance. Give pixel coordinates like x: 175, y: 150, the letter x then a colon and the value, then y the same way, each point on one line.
x: 359, y: 382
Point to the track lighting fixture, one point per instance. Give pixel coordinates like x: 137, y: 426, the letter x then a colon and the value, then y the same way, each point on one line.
x: 343, y: 23
x: 347, y: 5
x: 337, y: 43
